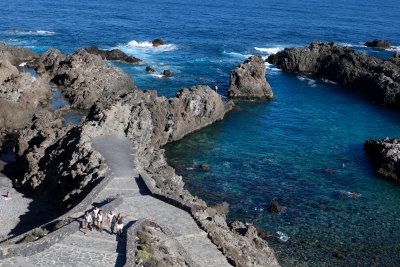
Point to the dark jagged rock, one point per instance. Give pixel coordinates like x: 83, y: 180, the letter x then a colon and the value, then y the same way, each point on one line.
x: 396, y: 59
x: 150, y: 69
x: 167, y: 73
x: 158, y: 42
x: 114, y: 54
x: 204, y: 167
x: 57, y: 163
x: 19, y: 54
x: 48, y: 63
x: 379, y: 79
x: 274, y: 206
x: 248, y: 81
x: 378, y: 43
x: 385, y: 156
x: 84, y: 78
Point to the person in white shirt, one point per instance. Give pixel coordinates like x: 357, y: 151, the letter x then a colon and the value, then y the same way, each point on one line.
x: 88, y: 221
x: 95, y: 214
x: 100, y: 216
x: 120, y: 224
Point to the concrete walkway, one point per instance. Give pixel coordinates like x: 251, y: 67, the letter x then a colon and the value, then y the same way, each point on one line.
x: 103, y: 249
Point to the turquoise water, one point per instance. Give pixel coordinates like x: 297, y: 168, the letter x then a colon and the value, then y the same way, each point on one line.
x: 303, y: 149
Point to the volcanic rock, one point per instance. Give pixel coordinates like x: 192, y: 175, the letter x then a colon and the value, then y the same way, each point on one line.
x: 378, y: 43
x: 248, y: 81
x: 204, y: 167
x: 114, y: 54
x: 84, y: 78
x: 158, y: 42
x: 48, y: 63
x: 20, y: 96
x: 20, y: 54
x: 150, y: 69
x: 167, y: 73
x: 379, y: 79
x: 274, y: 206
x: 385, y: 156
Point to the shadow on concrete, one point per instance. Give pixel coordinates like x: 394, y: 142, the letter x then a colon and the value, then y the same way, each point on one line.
x: 121, y: 246
x: 38, y: 211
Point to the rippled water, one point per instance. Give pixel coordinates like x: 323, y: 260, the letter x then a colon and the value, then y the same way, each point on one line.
x: 303, y: 149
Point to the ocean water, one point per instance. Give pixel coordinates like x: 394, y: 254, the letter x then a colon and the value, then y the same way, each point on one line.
x: 303, y: 149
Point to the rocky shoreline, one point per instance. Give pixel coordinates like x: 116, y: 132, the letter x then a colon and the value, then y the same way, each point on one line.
x: 60, y: 164
x: 376, y: 78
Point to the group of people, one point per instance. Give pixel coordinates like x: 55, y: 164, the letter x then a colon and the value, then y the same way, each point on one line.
x: 95, y: 219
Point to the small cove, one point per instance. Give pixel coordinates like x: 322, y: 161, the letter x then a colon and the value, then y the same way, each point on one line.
x: 303, y: 149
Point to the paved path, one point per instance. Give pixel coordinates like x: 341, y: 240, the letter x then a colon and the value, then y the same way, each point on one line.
x: 103, y: 249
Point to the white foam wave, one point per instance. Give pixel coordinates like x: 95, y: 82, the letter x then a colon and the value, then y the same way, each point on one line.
x: 145, y: 47
x: 394, y: 48
x: 236, y: 55
x: 269, y: 50
x: 35, y: 32
x: 309, y: 81
x: 157, y: 75
x: 271, y: 67
x: 358, y: 45
x: 328, y: 81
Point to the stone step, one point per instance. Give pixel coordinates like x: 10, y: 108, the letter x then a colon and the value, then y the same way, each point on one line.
x: 104, y: 235
x: 94, y: 244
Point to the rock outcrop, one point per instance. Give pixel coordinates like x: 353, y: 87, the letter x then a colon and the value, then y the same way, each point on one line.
x: 57, y: 163
x: 166, y: 73
x: 385, y: 156
x: 84, y: 78
x: 19, y: 55
x: 114, y: 54
x: 60, y: 163
x: 158, y: 42
x: 378, y: 43
x: 150, y: 69
x: 379, y: 79
x: 248, y: 81
x: 21, y: 94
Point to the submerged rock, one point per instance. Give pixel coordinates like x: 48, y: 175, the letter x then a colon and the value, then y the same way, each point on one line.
x: 204, y: 167
x: 167, y: 73
x: 274, y: 206
x: 158, y: 42
x: 385, y: 156
x: 248, y: 81
x: 378, y: 43
x: 114, y: 54
x: 379, y: 79
x: 150, y: 69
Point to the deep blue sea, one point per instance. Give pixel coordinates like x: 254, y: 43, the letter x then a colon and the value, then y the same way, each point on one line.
x: 303, y: 149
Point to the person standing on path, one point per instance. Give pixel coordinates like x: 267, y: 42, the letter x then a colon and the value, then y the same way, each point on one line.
x: 88, y: 221
x: 95, y: 214
x: 100, y: 216
x: 120, y: 224
x: 111, y: 218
